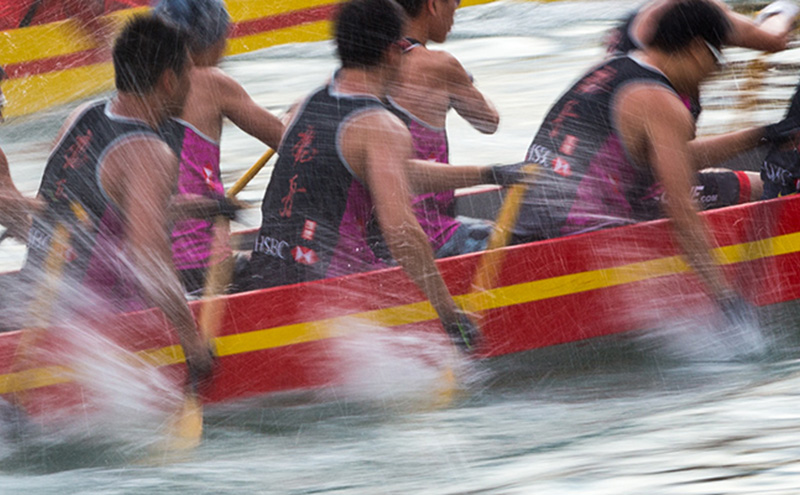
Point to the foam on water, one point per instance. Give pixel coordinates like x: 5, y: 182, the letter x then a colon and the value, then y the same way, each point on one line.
x: 120, y: 403
x: 395, y: 370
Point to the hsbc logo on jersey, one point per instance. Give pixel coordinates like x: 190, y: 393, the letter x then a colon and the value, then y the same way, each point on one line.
x: 271, y: 247
x: 309, y: 229
x: 561, y: 167
x: 538, y: 154
x: 568, y: 145
x: 304, y: 256
x: 208, y: 176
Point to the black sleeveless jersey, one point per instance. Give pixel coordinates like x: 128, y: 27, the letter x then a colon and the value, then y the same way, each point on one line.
x: 621, y: 42
x: 317, y: 217
x: 586, y: 180
x: 73, y: 195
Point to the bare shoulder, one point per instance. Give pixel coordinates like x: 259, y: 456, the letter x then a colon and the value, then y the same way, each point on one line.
x: 651, y: 102
x: 449, y: 65
x: 218, y: 77
x: 227, y: 91
x: 436, y: 67
x: 141, y: 152
x: 378, y: 123
x: 139, y: 166
x: 79, y: 110
x: 213, y: 81
x: 373, y: 140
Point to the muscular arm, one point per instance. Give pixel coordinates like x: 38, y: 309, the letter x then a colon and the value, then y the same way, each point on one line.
x: 139, y: 175
x: 771, y: 36
x: 377, y: 146
x: 656, y: 128
x: 15, y: 209
x: 425, y: 177
x: 667, y: 128
x: 465, y: 98
x: 710, y: 151
x: 248, y: 115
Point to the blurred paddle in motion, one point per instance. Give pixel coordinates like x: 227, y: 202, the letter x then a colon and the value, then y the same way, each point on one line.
x: 186, y: 429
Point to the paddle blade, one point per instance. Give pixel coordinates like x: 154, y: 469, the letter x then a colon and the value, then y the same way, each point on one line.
x: 445, y: 393
x: 186, y: 426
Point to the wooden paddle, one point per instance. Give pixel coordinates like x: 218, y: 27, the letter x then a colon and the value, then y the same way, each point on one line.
x: 251, y: 172
x: 486, y: 273
x: 187, y: 426
x: 492, y: 259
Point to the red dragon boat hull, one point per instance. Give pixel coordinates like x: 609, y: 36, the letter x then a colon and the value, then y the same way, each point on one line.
x: 544, y: 294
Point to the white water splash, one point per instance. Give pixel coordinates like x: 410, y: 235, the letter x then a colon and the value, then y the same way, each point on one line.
x: 393, y: 369
x: 119, y: 397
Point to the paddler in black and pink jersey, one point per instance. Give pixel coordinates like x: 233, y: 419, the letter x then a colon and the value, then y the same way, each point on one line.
x: 339, y: 200
x: 15, y: 209
x: 639, y: 27
x: 108, y: 182
x: 195, y: 137
x: 621, y: 139
x: 768, y: 32
x: 430, y: 83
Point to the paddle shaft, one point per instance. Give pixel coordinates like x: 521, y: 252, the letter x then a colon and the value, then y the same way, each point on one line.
x: 251, y: 172
x: 492, y: 259
x: 219, y: 274
x: 187, y: 427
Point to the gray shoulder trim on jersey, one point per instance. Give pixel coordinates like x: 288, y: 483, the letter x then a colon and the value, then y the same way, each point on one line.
x: 346, y: 121
x: 411, y: 116
x: 119, y: 140
x: 197, y: 131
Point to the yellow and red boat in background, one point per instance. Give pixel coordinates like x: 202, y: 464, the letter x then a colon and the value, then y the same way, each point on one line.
x: 54, y: 63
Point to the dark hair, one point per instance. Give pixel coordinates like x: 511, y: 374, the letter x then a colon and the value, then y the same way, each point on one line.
x: 146, y: 48
x: 205, y: 22
x: 687, y: 20
x: 365, y: 29
x: 412, y: 7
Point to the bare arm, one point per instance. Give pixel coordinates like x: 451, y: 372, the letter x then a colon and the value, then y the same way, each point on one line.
x: 377, y: 146
x: 182, y: 206
x: 668, y: 128
x: 470, y: 103
x: 15, y: 209
x: 425, y: 177
x: 248, y: 115
x: 710, y: 151
x: 772, y: 36
x: 139, y: 175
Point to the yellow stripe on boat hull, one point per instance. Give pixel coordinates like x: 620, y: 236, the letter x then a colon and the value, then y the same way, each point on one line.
x: 500, y: 297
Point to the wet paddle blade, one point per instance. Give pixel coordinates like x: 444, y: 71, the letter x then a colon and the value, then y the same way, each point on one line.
x: 445, y: 394
x: 186, y: 426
